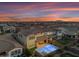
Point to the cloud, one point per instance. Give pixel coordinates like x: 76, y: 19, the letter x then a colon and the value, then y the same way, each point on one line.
x: 62, y: 9
x: 7, y: 15
x: 67, y: 9
x: 33, y: 6
x: 52, y: 15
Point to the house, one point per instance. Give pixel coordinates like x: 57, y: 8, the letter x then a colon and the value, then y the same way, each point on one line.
x: 9, y: 47
x: 8, y: 29
x: 71, y: 32
x: 1, y: 27
x: 50, y: 32
x: 28, y: 38
x: 58, y: 33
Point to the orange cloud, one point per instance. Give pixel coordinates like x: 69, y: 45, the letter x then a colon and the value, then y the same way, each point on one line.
x: 27, y: 7
x: 70, y: 19
x: 62, y: 9
x: 67, y: 9
x: 6, y: 15
x: 38, y: 6
x: 53, y: 15
x: 33, y: 19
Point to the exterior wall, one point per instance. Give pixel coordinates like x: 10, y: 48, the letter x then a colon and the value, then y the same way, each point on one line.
x: 40, y: 34
x: 30, y: 42
x: 71, y: 36
x: 41, y: 43
x: 12, y: 29
x: 26, y: 41
x: 48, y: 33
x: 15, y: 52
x: 21, y: 38
x: 59, y: 35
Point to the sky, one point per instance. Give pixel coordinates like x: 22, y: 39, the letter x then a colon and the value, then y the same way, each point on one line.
x: 39, y: 11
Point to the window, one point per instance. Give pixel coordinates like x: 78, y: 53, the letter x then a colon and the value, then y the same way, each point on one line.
x: 32, y: 37
x: 20, y: 35
x: 44, y: 41
x: 19, y: 51
x: 73, y: 36
x: 14, y: 53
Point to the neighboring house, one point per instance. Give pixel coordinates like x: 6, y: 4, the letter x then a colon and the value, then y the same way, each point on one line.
x: 67, y: 32
x: 59, y: 33
x: 9, y: 47
x: 8, y: 29
x: 55, y: 33
x: 71, y: 32
x: 1, y: 27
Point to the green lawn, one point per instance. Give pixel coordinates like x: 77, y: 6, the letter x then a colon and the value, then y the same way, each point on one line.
x: 32, y: 49
x: 57, y: 43
x: 28, y: 52
x: 62, y: 42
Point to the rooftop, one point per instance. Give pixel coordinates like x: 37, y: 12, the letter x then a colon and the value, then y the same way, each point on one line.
x: 71, y: 31
x: 6, y: 46
x: 7, y: 43
x: 35, y: 31
x: 31, y: 31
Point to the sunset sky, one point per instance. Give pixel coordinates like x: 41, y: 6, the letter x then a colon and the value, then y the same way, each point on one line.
x: 39, y: 11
